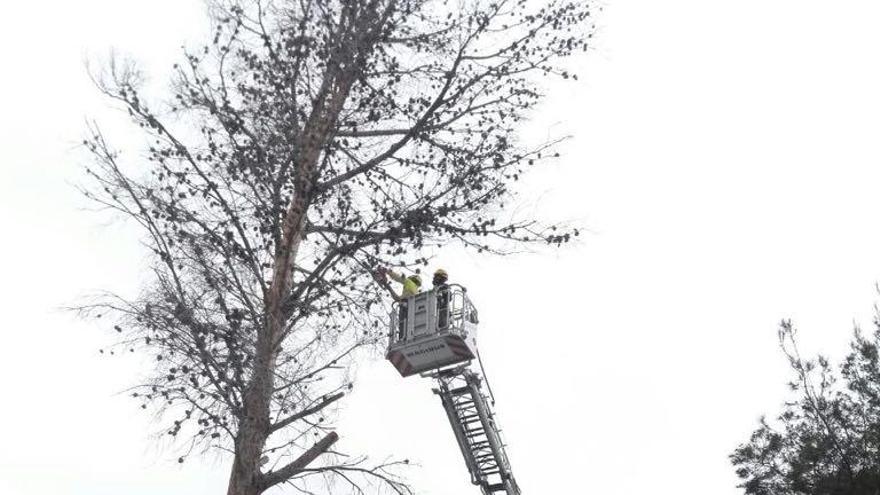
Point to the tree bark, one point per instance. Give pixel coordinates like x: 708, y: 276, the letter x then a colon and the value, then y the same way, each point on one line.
x: 255, y: 427
x: 246, y: 478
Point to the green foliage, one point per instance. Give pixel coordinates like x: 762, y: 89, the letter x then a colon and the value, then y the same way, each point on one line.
x: 826, y: 441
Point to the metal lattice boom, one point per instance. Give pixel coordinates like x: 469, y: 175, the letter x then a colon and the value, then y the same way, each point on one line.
x: 476, y: 432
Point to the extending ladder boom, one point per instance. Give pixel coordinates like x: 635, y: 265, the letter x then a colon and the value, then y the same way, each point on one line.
x: 473, y: 423
x: 433, y: 334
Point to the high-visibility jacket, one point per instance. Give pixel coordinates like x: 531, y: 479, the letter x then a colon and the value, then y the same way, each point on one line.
x: 409, y: 287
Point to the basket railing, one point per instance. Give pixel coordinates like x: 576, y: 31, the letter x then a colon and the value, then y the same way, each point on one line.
x: 450, y: 312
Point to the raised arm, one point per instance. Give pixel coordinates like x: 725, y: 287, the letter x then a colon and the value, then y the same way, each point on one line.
x: 397, y: 277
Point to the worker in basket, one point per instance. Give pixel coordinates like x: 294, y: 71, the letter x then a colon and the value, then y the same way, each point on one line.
x: 441, y: 288
x: 411, y: 286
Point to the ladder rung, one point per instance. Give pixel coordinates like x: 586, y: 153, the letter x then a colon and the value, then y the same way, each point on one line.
x: 459, y: 391
x: 472, y: 418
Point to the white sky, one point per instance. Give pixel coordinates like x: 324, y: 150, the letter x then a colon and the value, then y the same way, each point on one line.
x: 724, y: 161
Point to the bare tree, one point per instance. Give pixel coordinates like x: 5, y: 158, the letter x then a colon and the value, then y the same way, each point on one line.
x: 310, y: 142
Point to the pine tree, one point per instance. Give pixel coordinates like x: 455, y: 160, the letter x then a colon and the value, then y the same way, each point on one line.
x: 307, y: 144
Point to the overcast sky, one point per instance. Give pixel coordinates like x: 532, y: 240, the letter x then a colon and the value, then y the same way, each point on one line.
x: 723, y: 165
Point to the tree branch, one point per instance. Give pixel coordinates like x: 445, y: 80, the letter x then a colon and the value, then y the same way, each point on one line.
x: 272, y: 478
x: 306, y: 412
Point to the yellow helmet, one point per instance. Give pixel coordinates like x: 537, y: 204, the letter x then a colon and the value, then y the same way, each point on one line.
x: 417, y: 279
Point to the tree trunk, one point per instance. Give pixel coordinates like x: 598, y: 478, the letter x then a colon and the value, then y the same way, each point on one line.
x: 246, y: 478
x: 239, y: 484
